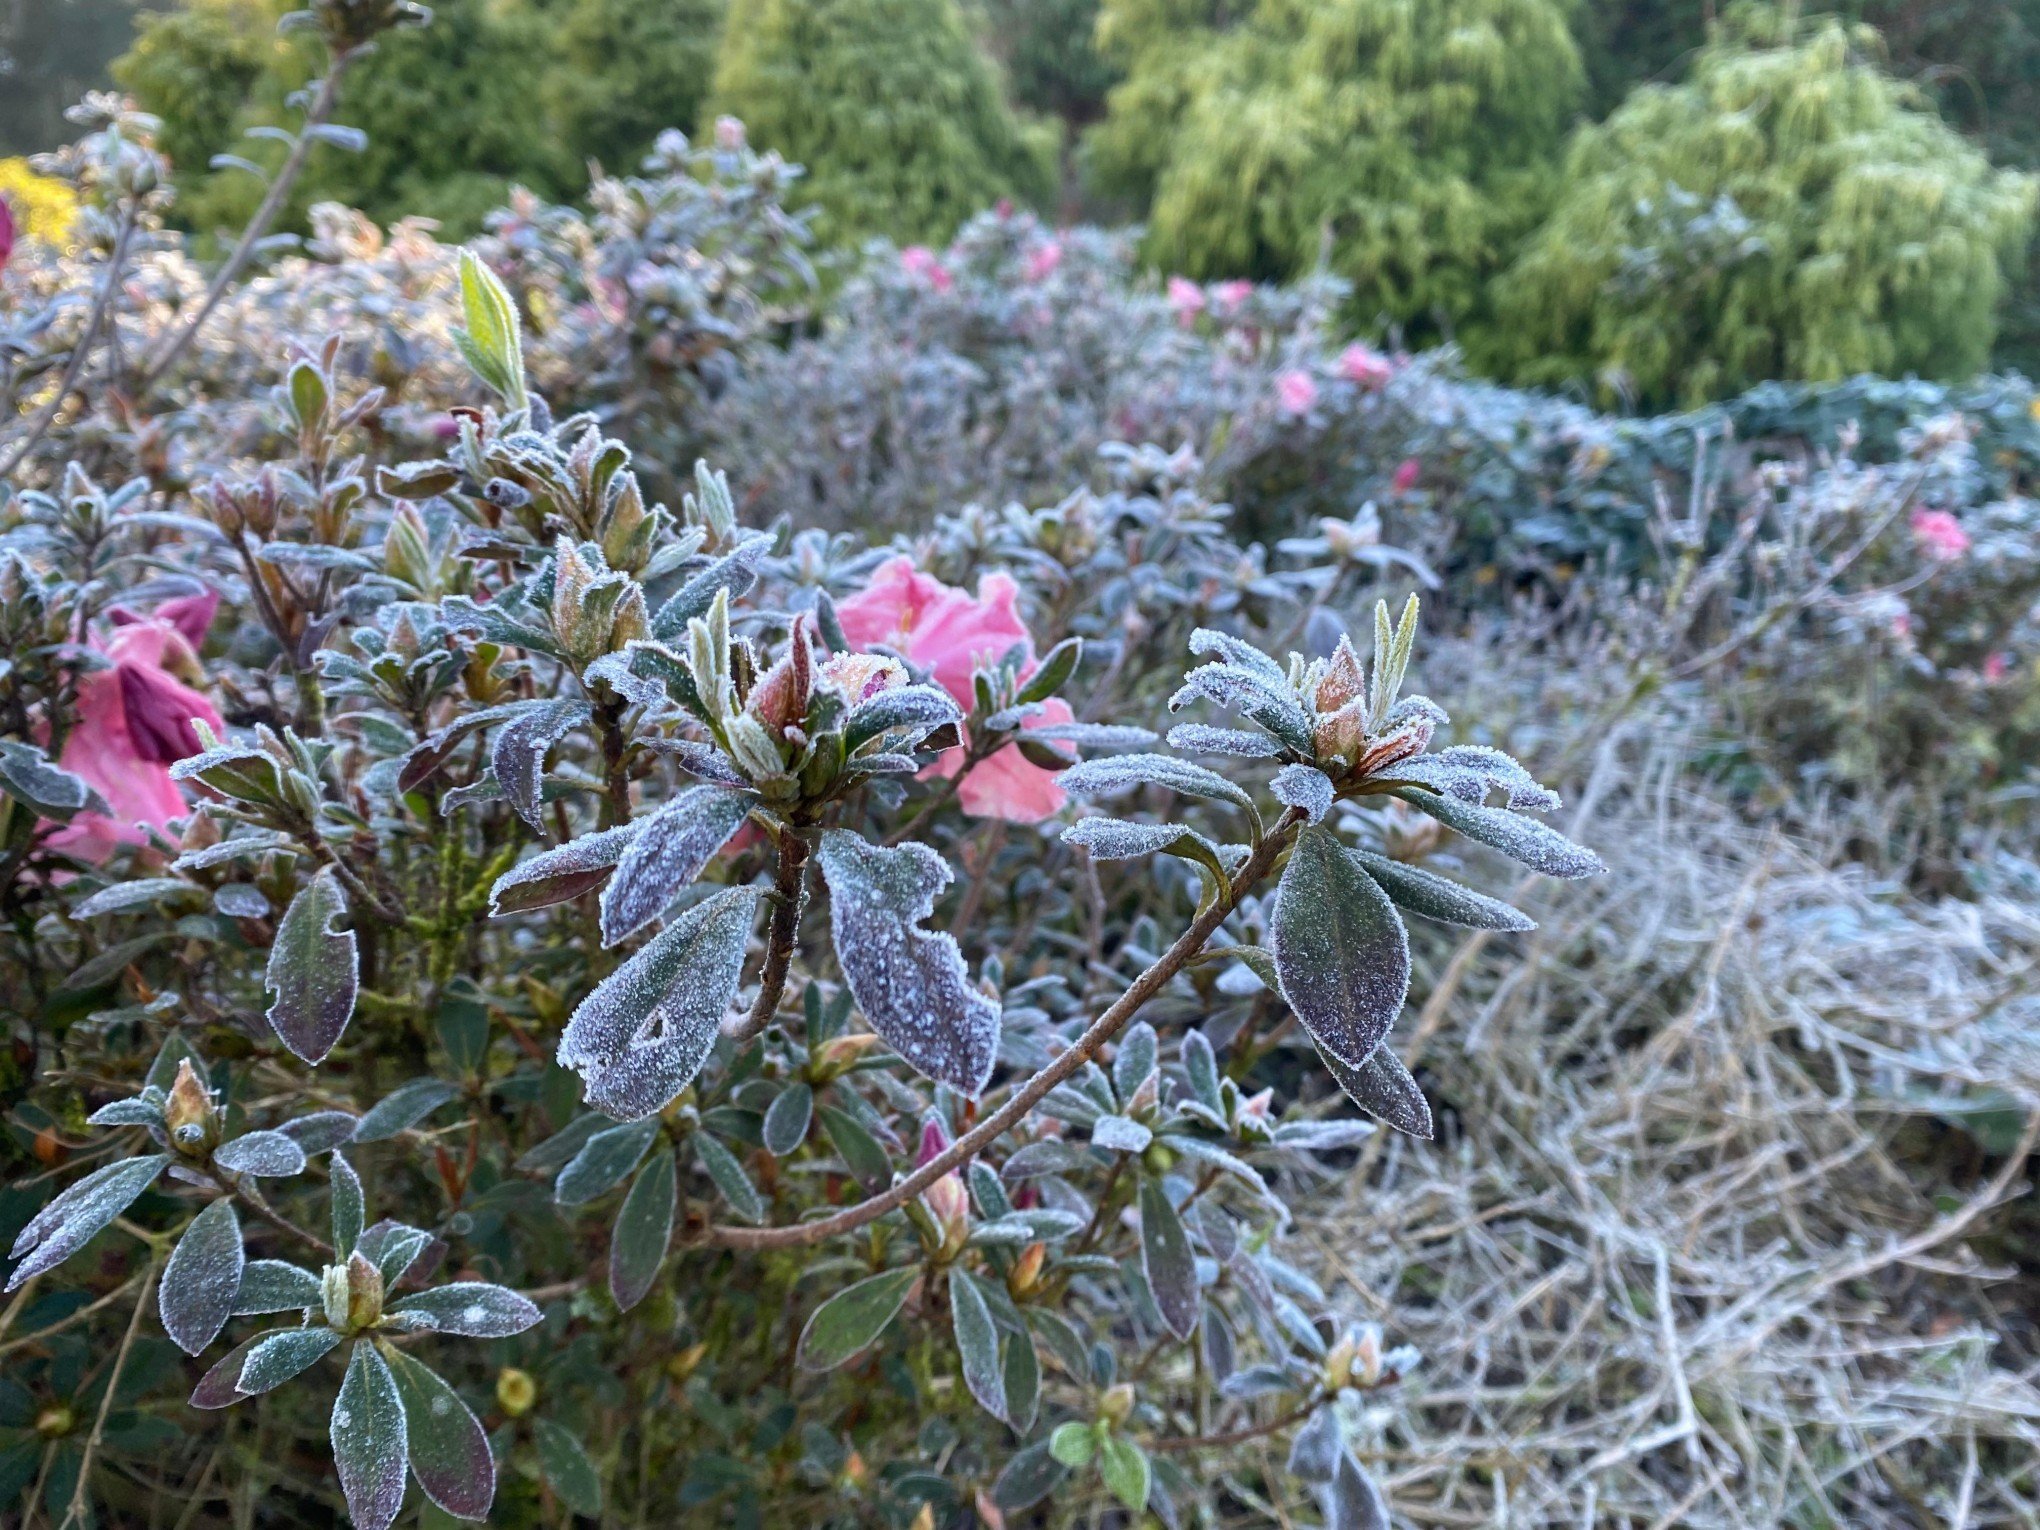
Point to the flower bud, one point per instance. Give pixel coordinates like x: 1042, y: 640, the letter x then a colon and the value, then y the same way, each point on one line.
x: 188, y: 1113
x: 684, y: 1364
x: 836, y: 1056
x: 351, y: 1294
x: 1026, y: 1276
x: 515, y: 1391
x: 1116, y: 1404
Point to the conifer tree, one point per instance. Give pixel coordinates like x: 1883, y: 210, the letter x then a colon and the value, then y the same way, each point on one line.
x: 1788, y: 212
x: 1418, y: 133
x: 891, y: 105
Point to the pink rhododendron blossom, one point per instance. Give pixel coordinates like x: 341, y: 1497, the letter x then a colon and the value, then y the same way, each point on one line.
x: 1295, y: 391
x: 6, y: 232
x: 1940, y: 535
x: 1230, y: 296
x: 919, y: 260
x: 135, y: 720
x: 1996, y: 667
x: 1406, y: 475
x: 1186, y: 297
x: 949, y: 634
x: 1042, y: 262
x: 1366, y: 366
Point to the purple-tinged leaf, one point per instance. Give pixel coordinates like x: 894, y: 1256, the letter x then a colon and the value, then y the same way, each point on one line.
x: 644, y: 1228
x: 518, y: 754
x: 392, y: 1248
x: 642, y: 1035
x: 1166, y: 1260
x: 202, y: 1278
x: 321, y: 1130
x: 911, y: 983
x: 264, y: 1155
x: 1430, y: 896
x: 314, y: 969
x: 69, y: 1221
x: 1383, y: 1088
x: 283, y: 1353
x: 562, y: 874
x: 706, y: 761
x: 471, y: 1307
x: 912, y: 710
x: 449, y: 1452
x: 669, y: 851
x: 369, y: 1445
x: 1339, y: 948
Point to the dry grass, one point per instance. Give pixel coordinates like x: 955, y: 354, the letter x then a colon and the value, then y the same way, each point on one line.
x: 1695, y: 1248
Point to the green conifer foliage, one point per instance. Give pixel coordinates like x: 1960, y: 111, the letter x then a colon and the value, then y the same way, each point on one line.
x: 891, y: 105
x: 1418, y: 132
x: 626, y: 71
x: 1788, y: 212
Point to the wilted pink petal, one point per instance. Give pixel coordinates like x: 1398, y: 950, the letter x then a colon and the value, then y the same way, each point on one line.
x: 1940, y: 535
x: 1295, y: 391
x: 6, y: 232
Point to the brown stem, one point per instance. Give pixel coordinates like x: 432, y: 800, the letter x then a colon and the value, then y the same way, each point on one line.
x: 793, y: 856
x: 101, y: 306
x: 1236, y: 1436
x: 272, y: 204
x: 1037, y: 1088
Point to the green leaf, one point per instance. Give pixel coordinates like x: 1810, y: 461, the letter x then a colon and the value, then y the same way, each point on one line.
x: 859, y: 1150
x: 1023, y: 1381
x: 492, y: 343
x: 1340, y: 950
x: 644, y: 1227
x: 202, y: 1278
x: 450, y: 1454
x: 28, y: 776
x: 369, y: 1440
x: 729, y: 1176
x: 1121, y: 772
x: 1166, y: 1260
x: 313, y: 970
x: 977, y: 1344
x: 601, y: 1165
x: 1073, y: 1444
x: 402, y: 1108
x: 1382, y: 1087
x: 1124, y: 1466
x: 1518, y: 836
x: 73, y: 1218
x: 786, y: 1122
x: 1056, y: 668
x: 1431, y: 896
x: 568, y: 1471
x: 847, y: 1323
x: 350, y: 1208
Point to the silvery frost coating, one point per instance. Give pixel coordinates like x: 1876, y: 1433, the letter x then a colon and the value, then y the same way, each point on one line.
x: 697, y: 925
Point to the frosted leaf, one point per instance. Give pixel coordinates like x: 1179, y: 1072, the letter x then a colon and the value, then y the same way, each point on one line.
x: 1133, y: 1061
x: 449, y: 1452
x: 28, y: 776
x: 69, y: 1221
x: 139, y: 1111
x: 248, y: 845
x: 518, y: 753
x: 603, y: 1161
x: 1425, y: 893
x: 1123, y: 772
x: 348, y: 1204
x: 1382, y: 1087
x: 1536, y: 845
x: 402, y: 1108
x: 277, y: 1356
x: 271, y: 1285
x: 1120, y: 1134
x: 1207, y: 642
x: 320, y: 1130
x: 556, y: 876
x: 735, y: 571
x: 728, y: 1176
x: 313, y: 969
x: 886, y: 764
x: 1200, y: 738
x: 1505, y: 774
x: 641, y: 1036
x: 910, y: 983
x: 699, y: 759
x: 1166, y: 1259
x: 424, y: 758
x: 669, y: 850
x: 1214, y: 1156
x: 202, y: 1278
x: 915, y: 710
x: 392, y: 1248
x: 1115, y: 839
x: 127, y: 897
x: 1413, y: 708
x: 1314, y: 1454
x: 614, y: 670
x: 239, y: 900
x: 1305, y: 787
x: 471, y: 1307
x: 1353, y: 1502
x: 1050, y: 1157
x: 1255, y: 697
x: 268, y: 1155
x: 977, y: 1344
x: 369, y: 1446
x: 1340, y: 951
x: 1093, y: 735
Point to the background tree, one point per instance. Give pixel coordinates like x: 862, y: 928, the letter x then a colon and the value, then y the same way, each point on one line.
x: 625, y: 72
x: 1419, y: 134
x: 1789, y: 212
x: 897, y: 113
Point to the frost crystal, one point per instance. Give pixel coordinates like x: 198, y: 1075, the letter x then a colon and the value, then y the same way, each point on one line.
x: 558, y: 875
x: 313, y: 969
x: 1102, y: 778
x: 641, y: 1036
x: 1536, y: 845
x: 910, y: 983
x: 1199, y: 738
x: 521, y: 745
x: 1340, y: 951
x: 1305, y: 787
x: 667, y: 854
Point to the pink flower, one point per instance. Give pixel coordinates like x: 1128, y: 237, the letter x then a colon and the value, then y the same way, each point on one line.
x: 1406, y: 475
x: 135, y: 720
x: 947, y: 1201
x: 1939, y: 534
x: 1295, y: 391
x: 1901, y: 625
x: 6, y: 232
x: 1187, y: 298
x: 919, y: 260
x: 1996, y: 667
x: 1232, y: 295
x: 1366, y: 366
x: 1042, y: 262
x: 947, y: 633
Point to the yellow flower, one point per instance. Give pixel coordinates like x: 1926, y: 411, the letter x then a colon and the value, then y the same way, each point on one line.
x: 43, y: 208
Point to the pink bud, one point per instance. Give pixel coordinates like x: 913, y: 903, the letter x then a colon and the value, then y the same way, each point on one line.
x: 1295, y: 391
x: 1042, y: 263
x: 1940, y: 535
x: 1232, y: 295
x: 918, y: 260
x: 1996, y: 667
x: 6, y: 232
x: 1406, y: 475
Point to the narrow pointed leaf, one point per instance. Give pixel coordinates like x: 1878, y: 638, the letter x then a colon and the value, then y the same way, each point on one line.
x: 518, y: 753
x: 847, y: 1323
x: 644, y: 1228
x: 977, y: 1344
x: 786, y: 1123
x: 1166, y: 1260
x: 603, y: 1162
x: 369, y: 1447
x: 1383, y: 1088
x: 1122, y: 772
x: 1431, y: 896
x: 729, y: 1177
x: 349, y: 1209
x: 1536, y: 845
x: 69, y: 1221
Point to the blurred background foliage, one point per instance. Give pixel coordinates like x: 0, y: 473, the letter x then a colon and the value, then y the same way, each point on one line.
x: 1646, y: 202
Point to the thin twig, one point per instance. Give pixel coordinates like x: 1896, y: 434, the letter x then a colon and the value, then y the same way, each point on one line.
x: 120, y: 1360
